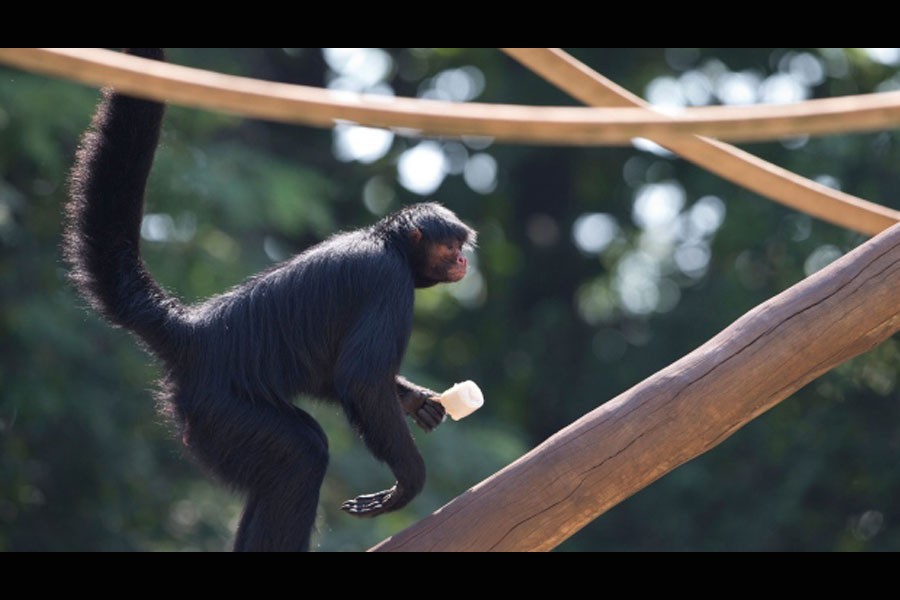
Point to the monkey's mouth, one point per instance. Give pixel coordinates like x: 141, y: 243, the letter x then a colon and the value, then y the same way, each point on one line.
x: 458, y: 270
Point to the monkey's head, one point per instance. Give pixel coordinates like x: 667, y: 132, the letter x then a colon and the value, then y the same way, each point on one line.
x: 436, y: 239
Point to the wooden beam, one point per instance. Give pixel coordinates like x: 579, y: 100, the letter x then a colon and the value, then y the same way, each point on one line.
x: 509, y: 122
x: 314, y: 106
x: 677, y: 414
x: 749, y: 171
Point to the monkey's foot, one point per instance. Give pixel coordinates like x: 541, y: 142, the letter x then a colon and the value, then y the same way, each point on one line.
x: 371, y: 505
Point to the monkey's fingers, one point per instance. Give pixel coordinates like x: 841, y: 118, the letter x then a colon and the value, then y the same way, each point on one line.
x: 424, y: 421
x: 430, y: 415
x: 370, y: 505
x: 437, y: 410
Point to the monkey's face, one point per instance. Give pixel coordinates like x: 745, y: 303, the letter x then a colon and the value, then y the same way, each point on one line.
x: 449, y: 263
x: 440, y: 262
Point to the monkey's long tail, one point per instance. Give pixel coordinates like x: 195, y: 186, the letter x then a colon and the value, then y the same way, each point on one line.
x: 101, y: 241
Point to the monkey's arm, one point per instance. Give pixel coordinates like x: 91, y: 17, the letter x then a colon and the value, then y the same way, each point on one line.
x: 418, y: 402
x: 365, y: 382
x: 376, y: 413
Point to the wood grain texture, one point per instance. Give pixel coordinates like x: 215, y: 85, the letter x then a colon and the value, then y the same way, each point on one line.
x: 677, y: 414
x: 507, y: 122
x: 728, y: 162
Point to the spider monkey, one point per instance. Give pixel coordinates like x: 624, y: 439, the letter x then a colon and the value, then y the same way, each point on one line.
x: 332, y: 322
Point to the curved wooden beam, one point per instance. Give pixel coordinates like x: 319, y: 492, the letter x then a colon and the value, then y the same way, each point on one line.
x: 677, y: 414
x: 728, y: 162
x: 545, y: 125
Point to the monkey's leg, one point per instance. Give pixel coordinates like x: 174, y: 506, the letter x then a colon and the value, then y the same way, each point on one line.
x: 241, y: 543
x: 278, y: 455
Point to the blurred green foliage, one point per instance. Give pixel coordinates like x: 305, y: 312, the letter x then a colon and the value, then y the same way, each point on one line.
x: 563, y: 312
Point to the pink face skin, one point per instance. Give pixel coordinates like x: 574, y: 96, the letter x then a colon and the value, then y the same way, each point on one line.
x: 446, y: 261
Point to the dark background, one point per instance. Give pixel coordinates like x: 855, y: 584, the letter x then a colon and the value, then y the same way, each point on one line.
x: 596, y: 268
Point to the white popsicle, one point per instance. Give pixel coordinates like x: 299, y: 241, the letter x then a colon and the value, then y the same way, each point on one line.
x: 462, y: 400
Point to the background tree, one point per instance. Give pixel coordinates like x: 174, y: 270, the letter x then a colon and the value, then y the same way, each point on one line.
x: 596, y: 267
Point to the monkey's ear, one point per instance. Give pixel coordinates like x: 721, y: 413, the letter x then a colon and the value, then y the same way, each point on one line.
x: 415, y: 236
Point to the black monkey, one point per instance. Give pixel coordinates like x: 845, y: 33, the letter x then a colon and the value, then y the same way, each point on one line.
x: 332, y: 322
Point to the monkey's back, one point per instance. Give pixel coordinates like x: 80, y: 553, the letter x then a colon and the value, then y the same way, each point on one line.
x: 280, y: 333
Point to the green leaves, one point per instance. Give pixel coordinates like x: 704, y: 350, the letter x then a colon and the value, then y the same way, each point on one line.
x: 87, y: 464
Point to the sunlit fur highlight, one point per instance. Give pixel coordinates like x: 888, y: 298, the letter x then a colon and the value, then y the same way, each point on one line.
x: 332, y: 322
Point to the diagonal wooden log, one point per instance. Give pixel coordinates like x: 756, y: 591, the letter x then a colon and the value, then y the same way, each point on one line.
x: 677, y: 414
x: 749, y: 171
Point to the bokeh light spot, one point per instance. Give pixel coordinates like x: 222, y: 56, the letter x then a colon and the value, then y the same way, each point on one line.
x: 422, y: 168
x: 593, y: 232
x: 480, y: 173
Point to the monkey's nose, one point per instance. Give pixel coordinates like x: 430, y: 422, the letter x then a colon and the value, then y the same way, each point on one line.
x: 462, y: 260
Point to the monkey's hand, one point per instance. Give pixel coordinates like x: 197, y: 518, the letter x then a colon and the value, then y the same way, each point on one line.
x: 372, y: 505
x: 419, y: 404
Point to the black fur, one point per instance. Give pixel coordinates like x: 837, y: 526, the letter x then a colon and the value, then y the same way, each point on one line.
x: 332, y: 322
